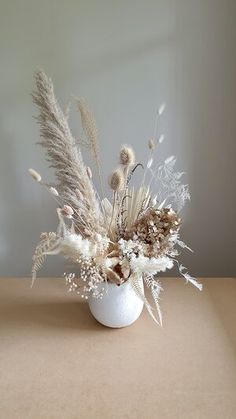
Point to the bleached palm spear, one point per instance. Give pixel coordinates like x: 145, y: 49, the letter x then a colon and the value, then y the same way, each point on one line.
x: 66, y: 158
x: 136, y: 201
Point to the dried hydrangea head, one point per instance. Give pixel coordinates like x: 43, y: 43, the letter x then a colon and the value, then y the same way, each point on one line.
x: 127, y: 156
x: 116, y: 180
x: 154, y: 229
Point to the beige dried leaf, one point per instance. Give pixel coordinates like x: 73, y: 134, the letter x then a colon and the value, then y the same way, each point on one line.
x: 112, y: 276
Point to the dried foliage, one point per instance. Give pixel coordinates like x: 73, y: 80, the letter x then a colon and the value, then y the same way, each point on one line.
x: 91, y: 135
x: 65, y: 157
x: 154, y: 228
x: 134, y: 236
x: 169, y: 184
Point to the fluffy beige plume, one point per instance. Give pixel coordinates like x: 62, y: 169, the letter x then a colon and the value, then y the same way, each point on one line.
x: 91, y: 134
x: 65, y: 157
x: 89, y: 126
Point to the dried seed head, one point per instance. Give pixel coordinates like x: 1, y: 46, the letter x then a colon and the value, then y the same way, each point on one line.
x: 53, y: 191
x: 116, y: 180
x: 43, y: 235
x: 151, y: 144
x: 89, y: 172
x: 67, y: 211
x: 35, y: 175
x: 127, y: 157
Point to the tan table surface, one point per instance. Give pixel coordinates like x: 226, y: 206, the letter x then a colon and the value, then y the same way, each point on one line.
x: 57, y: 362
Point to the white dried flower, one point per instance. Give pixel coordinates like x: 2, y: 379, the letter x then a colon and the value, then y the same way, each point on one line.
x: 127, y: 157
x: 35, y: 175
x: 116, y: 180
x: 161, y: 138
x: 75, y: 243
x: 129, y: 247
x: 68, y: 211
x: 151, y: 266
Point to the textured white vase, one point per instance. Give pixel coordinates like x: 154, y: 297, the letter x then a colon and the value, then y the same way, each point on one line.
x: 120, y: 306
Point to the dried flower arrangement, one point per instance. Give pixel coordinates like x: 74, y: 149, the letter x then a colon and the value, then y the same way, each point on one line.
x: 135, y: 234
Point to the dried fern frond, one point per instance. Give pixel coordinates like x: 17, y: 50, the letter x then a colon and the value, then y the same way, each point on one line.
x: 46, y: 244
x: 156, y: 288
x: 188, y: 277
x: 170, y: 188
x: 65, y: 157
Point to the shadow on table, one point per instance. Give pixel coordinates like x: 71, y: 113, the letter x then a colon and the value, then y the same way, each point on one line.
x: 49, y: 315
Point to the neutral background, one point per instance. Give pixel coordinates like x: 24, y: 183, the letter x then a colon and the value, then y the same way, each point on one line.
x: 125, y: 57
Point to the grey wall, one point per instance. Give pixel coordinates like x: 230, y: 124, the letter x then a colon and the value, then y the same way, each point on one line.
x: 125, y: 57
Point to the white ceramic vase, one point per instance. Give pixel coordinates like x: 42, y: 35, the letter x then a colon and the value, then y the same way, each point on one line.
x: 119, y: 307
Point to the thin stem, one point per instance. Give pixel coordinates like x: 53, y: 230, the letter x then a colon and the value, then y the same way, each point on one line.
x: 113, y: 210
